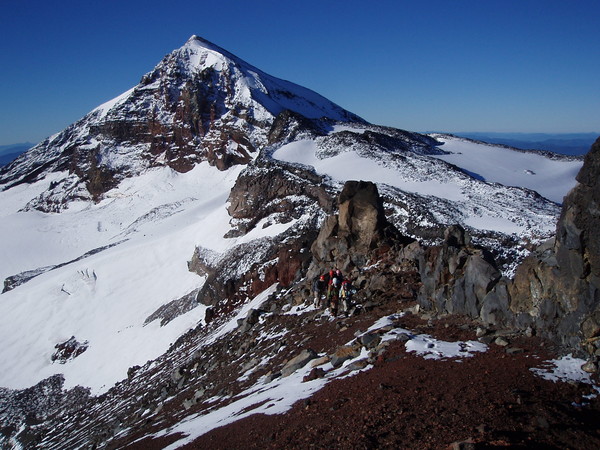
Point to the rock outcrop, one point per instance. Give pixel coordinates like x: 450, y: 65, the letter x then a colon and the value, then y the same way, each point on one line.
x: 555, y: 291
x: 456, y: 276
x: 275, y: 192
x: 350, y: 238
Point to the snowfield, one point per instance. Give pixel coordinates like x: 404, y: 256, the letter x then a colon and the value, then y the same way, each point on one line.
x: 483, y: 202
x: 105, y: 298
x: 549, y: 177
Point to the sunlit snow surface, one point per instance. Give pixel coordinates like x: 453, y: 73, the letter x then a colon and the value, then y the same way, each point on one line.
x: 567, y: 368
x: 478, y: 200
x: 351, y: 166
x: 160, y: 217
x: 532, y: 170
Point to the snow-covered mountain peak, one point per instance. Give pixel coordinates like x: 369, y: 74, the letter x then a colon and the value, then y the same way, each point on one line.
x: 200, y: 103
x: 198, y: 54
x: 244, y: 83
x: 200, y: 44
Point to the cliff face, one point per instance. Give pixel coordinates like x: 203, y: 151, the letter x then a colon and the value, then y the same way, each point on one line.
x: 557, y: 288
x: 555, y: 291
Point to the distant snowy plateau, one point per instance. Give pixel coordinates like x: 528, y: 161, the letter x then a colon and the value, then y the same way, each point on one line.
x: 98, y: 224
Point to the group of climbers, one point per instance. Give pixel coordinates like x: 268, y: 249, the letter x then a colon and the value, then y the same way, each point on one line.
x: 332, y: 290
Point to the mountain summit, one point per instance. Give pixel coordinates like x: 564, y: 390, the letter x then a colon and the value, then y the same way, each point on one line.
x: 200, y: 103
x: 251, y: 88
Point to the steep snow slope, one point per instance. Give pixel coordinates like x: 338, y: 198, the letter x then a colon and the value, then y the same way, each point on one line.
x: 104, y: 299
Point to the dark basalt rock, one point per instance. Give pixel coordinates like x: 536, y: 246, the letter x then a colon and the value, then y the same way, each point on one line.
x: 349, y: 239
x: 69, y: 349
x: 456, y: 276
x: 272, y: 188
x: 556, y: 290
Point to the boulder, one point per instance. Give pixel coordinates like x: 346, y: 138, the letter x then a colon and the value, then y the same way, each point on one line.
x: 456, y: 277
x: 494, y: 309
x: 344, y: 353
x: 249, y: 321
x: 369, y: 340
x: 357, y: 365
x: 298, y: 362
x: 314, y: 374
x: 320, y: 361
x: 361, y: 215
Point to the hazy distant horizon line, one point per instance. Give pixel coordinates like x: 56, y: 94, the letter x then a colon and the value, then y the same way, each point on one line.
x: 517, y: 133
x: 458, y: 133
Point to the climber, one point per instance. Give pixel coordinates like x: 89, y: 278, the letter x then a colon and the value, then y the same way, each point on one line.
x: 319, y: 287
x: 330, y: 276
x: 346, y: 292
x: 333, y: 292
x: 338, y: 274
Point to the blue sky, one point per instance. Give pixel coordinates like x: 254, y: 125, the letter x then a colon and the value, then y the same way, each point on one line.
x: 524, y: 66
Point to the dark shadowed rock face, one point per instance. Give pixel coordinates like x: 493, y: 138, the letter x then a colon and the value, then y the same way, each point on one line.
x: 578, y: 229
x: 456, y: 276
x: 556, y: 290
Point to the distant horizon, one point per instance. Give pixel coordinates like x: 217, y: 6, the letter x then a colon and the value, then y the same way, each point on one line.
x: 512, y: 133
x: 499, y: 134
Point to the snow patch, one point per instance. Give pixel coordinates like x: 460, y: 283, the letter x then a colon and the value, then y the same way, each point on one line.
x: 430, y: 348
x: 566, y: 368
x: 104, y: 108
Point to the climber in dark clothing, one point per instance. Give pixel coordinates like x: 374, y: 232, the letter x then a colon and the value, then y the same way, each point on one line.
x: 319, y: 289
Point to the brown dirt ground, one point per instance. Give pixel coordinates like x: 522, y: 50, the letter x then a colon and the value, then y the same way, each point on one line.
x: 489, y: 400
x: 486, y: 401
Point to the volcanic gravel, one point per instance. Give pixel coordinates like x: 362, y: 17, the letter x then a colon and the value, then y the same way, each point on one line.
x: 489, y: 400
